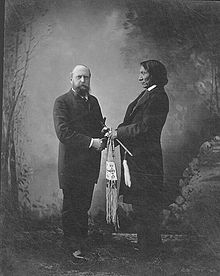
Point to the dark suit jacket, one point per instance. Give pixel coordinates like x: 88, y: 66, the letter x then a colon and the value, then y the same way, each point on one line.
x: 76, y: 122
x: 141, y: 132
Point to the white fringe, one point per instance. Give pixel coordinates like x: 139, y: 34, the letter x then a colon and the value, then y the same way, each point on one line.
x: 111, y: 203
x: 111, y: 187
x: 126, y: 173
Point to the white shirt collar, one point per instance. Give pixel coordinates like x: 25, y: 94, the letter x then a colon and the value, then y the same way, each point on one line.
x: 151, y: 87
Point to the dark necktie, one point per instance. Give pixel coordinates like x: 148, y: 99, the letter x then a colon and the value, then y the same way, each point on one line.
x: 87, y: 103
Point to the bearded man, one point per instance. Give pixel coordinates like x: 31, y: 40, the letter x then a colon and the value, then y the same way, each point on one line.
x: 78, y: 123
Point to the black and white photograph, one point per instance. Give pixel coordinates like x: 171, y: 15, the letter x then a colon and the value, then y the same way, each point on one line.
x: 110, y: 138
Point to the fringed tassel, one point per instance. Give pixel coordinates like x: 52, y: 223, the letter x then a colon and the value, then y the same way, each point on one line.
x: 112, y: 203
x: 111, y: 190
x: 126, y: 172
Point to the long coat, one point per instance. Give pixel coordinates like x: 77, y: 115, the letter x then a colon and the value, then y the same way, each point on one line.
x: 76, y: 122
x: 141, y: 133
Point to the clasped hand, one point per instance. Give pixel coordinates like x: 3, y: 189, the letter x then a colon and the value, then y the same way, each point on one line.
x: 98, y: 144
x: 111, y: 134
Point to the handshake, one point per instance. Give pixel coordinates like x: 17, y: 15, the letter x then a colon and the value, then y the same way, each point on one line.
x: 99, y: 144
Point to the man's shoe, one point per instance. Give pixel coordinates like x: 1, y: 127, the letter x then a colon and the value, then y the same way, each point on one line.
x: 78, y: 256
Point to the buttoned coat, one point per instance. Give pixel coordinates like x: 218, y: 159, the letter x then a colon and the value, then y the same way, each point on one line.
x: 141, y: 133
x: 76, y: 122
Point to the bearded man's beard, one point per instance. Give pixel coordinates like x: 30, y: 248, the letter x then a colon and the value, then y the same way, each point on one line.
x: 83, y: 90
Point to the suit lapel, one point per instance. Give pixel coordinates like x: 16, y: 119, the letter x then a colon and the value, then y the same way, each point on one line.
x: 130, y: 109
x: 142, y: 99
x: 76, y: 98
x: 77, y: 106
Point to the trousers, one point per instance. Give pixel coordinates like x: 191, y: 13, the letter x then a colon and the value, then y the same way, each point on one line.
x: 147, y: 225
x: 76, y: 203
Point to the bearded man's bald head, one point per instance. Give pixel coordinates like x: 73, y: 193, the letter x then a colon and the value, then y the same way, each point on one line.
x: 80, y: 79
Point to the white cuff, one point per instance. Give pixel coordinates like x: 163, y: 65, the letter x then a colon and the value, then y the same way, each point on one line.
x: 91, y: 142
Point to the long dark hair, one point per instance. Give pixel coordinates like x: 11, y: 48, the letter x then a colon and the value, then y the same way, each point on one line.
x: 157, y: 71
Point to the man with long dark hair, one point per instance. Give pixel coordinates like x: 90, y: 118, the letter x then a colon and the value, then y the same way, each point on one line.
x: 140, y: 132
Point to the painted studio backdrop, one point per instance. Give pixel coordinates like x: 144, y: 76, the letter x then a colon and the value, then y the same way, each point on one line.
x: 44, y: 40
